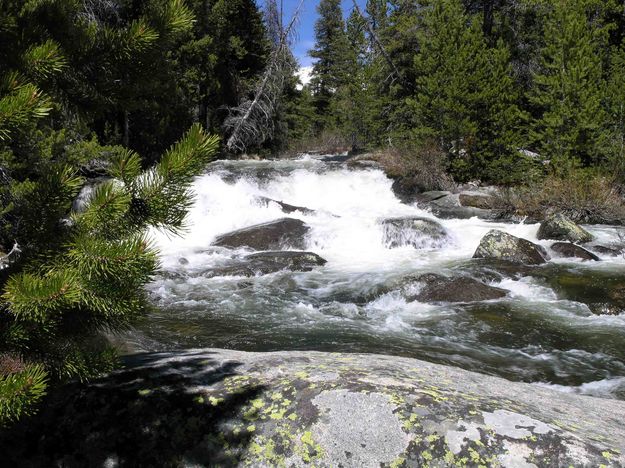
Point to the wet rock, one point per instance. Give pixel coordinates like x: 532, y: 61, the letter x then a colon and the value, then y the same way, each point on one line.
x: 612, y: 251
x: 602, y: 291
x: 491, y: 269
x: 438, y: 288
x: 228, y: 408
x: 503, y: 246
x: 476, y: 199
x: 364, y: 161
x: 294, y: 261
x: 414, y: 231
x: 406, y: 189
x: 232, y: 270
x: 430, y: 196
x: 448, y: 206
x: 569, y: 250
x: 285, y: 206
x: 265, y: 263
x: 275, y: 235
x: 81, y: 202
x: 559, y: 227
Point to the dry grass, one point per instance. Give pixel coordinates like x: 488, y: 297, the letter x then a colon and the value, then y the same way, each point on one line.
x: 328, y: 142
x: 421, y: 169
x: 582, y: 197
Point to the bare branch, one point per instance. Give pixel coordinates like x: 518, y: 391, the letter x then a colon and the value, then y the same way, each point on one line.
x: 377, y: 41
x: 251, y: 122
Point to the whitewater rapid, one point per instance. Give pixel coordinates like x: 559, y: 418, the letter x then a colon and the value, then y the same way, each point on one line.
x: 353, y: 303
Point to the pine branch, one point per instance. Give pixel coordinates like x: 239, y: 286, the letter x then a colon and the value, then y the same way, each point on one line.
x: 20, y: 391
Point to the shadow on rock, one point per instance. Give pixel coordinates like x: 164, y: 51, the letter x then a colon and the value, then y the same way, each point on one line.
x: 156, y: 414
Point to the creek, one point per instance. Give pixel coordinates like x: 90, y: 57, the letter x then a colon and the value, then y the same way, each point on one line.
x: 547, y: 330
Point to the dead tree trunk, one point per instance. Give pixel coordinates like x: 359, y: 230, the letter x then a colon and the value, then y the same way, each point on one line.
x: 251, y: 122
x: 377, y: 42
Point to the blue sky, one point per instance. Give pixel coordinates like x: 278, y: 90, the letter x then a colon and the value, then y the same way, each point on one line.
x: 306, y: 31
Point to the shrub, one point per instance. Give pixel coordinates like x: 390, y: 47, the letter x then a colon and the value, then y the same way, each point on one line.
x: 421, y: 168
x: 584, y: 196
x: 327, y: 142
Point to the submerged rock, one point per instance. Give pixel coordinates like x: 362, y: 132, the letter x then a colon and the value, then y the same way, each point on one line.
x: 294, y: 261
x: 285, y: 206
x: 264, y: 263
x: 503, y: 246
x: 438, y: 288
x: 570, y: 250
x: 275, y: 235
x: 231, y: 270
x: 612, y: 251
x: 229, y: 408
x: 417, y: 232
x: 559, y: 227
x: 602, y: 291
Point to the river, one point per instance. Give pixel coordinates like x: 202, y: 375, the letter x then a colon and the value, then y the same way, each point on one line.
x: 542, y: 332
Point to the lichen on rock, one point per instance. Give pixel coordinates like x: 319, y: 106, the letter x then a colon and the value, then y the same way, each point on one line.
x: 230, y: 408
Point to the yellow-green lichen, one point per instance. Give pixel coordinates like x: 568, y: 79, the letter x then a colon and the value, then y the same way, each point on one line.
x: 278, y: 414
x: 257, y: 403
x: 215, y: 401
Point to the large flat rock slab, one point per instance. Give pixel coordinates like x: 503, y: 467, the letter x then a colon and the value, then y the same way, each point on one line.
x: 229, y: 408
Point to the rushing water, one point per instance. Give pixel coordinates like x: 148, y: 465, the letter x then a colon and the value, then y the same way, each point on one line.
x: 543, y: 332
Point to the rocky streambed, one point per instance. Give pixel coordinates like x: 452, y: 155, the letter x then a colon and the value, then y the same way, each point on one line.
x: 311, y: 254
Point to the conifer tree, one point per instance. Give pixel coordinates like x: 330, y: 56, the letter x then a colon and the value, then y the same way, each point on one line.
x: 465, y: 97
x: 351, y: 103
x: 332, y: 59
x: 615, y: 107
x: 569, y: 87
x: 67, y: 274
x: 401, y: 42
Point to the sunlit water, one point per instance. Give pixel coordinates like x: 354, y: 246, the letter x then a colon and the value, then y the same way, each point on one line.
x: 354, y: 303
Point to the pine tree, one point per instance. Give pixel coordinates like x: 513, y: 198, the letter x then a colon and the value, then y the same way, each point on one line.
x: 400, y: 40
x: 332, y: 59
x: 68, y: 274
x: 615, y: 107
x: 349, y: 103
x: 465, y: 98
x: 568, y: 88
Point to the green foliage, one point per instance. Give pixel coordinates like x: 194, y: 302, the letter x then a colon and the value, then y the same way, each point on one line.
x: 466, y: 98
x: 75, y: 271
x: 569, y: 88
x: 20, y: 389
x: 615, y: 107
x: 331, y: 70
